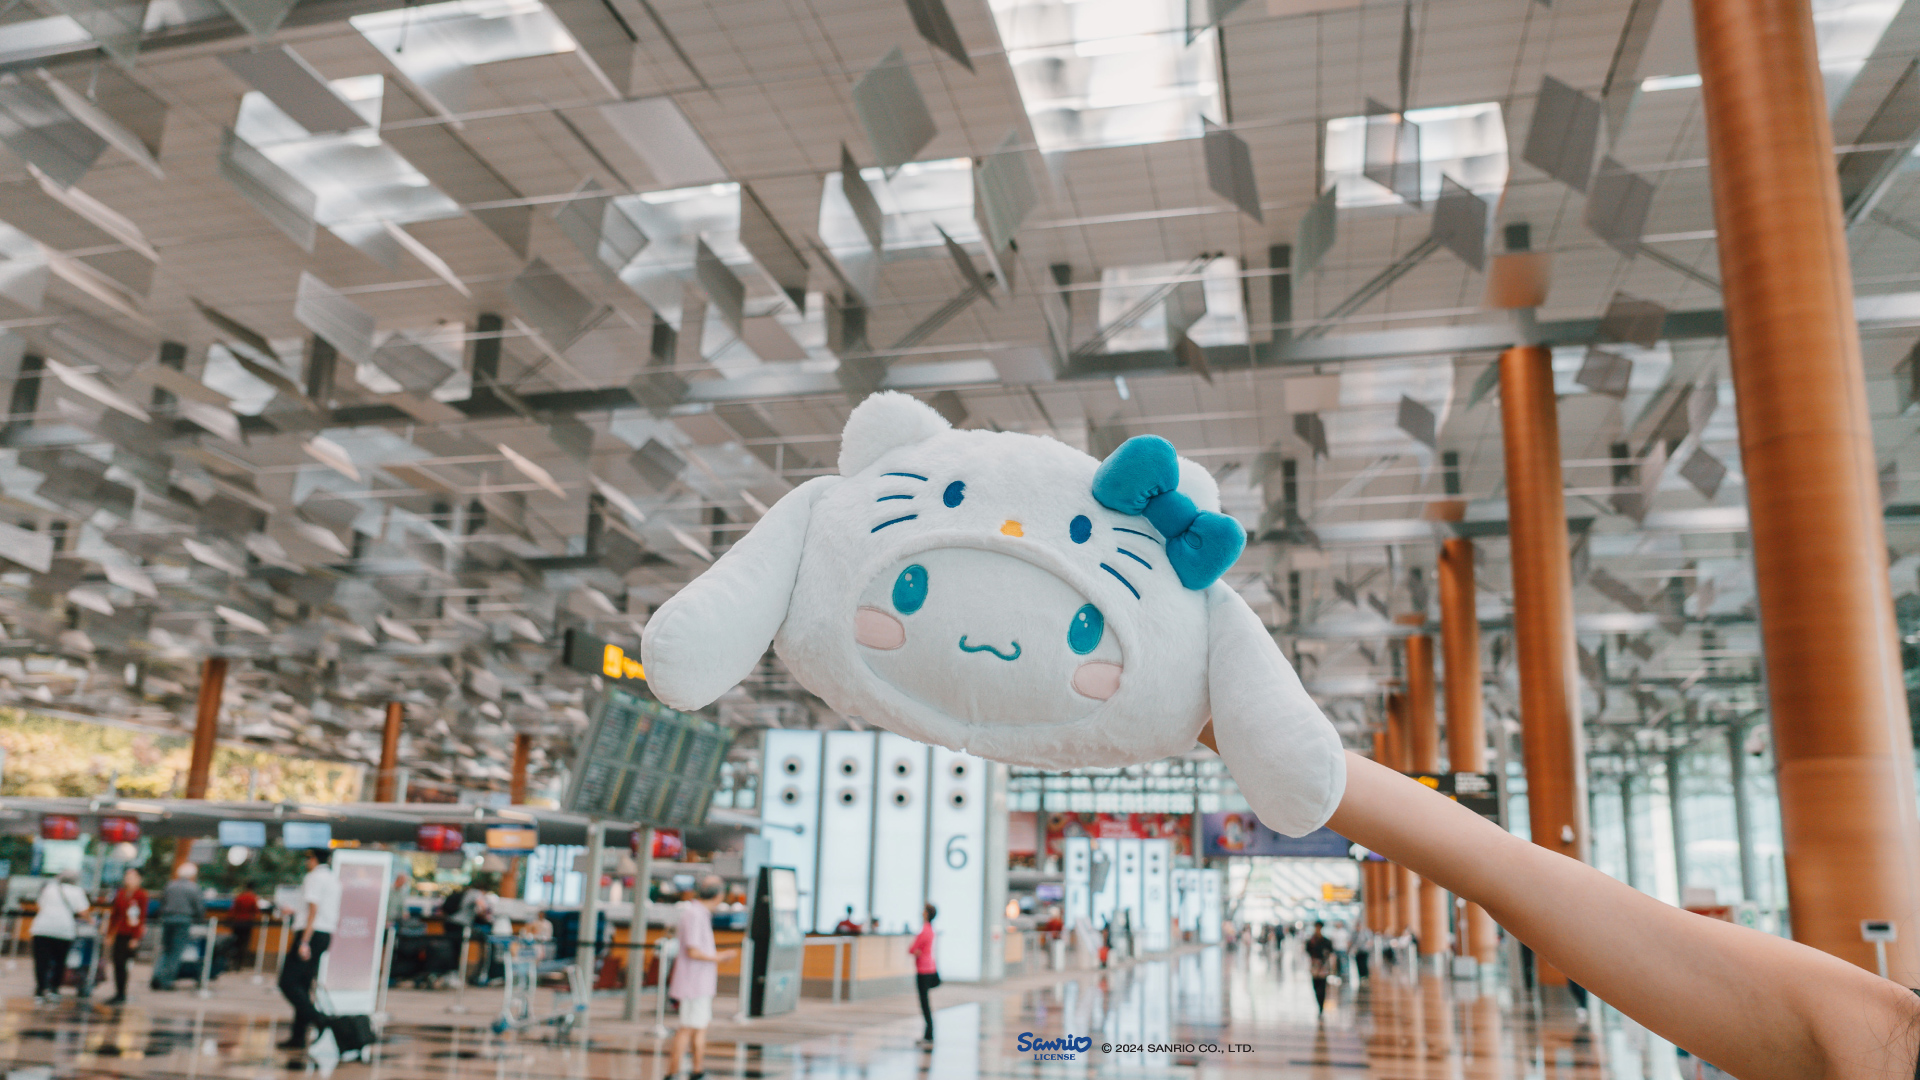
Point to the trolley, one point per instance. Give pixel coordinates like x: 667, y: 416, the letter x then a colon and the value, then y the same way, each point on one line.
x: 523, y: 965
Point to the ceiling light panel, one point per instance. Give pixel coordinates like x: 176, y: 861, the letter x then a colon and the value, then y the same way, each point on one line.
x: 1466, y: 142
x: 356, y: 178
x: 1110, y: 72
x: 921, y: 200
x: 1125, y: 287
x: 438, y: 46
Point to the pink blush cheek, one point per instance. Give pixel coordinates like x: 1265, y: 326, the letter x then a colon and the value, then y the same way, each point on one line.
x: 1097, y: 679
x: 878, y: 630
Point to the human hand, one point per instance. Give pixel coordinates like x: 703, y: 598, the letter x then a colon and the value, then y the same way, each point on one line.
x: 306, y: 953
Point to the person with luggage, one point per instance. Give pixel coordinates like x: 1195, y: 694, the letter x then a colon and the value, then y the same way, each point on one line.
x: 62, y: 906
x: 181, y: 908
x: 126, y: 925
x: 318, y: 916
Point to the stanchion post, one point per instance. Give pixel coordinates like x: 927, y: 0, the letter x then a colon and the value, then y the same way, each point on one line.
x: 206, y: 957
x: 460, y: 1001
x: 637, y: 926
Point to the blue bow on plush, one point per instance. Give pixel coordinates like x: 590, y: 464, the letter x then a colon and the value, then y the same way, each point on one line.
x: 1142, y: 478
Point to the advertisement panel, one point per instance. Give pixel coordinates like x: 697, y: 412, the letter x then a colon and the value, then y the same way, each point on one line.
x: 1241, y: 833
x: 351, y: 967
x: 1177, y: 828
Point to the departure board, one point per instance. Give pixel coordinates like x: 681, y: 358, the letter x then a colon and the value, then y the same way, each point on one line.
x: 646, y: 763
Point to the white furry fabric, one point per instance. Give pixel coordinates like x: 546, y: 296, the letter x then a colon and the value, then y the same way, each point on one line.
x: 971, y: 647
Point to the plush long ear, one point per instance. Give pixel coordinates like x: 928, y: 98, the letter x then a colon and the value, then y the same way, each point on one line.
x: 882, y: 422
x: 708, y: 637
x: 1278, y: 745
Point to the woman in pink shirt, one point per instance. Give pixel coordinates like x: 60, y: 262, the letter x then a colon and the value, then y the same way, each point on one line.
x: 927, y: 975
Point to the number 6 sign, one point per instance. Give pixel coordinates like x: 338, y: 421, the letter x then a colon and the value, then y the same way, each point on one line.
x: 956, y: 879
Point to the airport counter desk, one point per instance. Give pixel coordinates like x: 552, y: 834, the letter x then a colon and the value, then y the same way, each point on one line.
x: 858, y: 967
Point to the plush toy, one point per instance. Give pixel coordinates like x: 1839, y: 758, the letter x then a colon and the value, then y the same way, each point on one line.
x: 1008, y: 595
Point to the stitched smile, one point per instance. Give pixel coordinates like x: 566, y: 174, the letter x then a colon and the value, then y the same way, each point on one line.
x: 964, y: 647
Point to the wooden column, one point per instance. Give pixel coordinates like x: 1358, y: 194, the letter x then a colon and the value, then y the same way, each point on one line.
x: 1380, y: 875
x: 517, y: 784
x: 1552, y: 743
x: 1406, y: 887
x: 1424, y: 743
x: 206, y: 729
x: 1841, y: 742
x: 517, y: 794
x: 386, y: 782
x: 1466, y: 715
x: 206, y: 725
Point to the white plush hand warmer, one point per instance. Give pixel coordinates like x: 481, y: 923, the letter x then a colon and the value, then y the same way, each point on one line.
x: 1008, y: 595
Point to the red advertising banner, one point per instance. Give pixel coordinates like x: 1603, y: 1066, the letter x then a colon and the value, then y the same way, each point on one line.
x: 1175, y: 827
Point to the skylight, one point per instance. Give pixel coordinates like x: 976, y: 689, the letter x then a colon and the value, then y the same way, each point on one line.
x: 1109, y: 72
x: 1466, y: 142
x: 437, y: 45
x: 921, y: 199
x: 1124, y: 288
x: 357, y: 178
x: 1848, y: 31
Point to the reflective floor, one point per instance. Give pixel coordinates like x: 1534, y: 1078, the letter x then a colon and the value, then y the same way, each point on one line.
x: 1207, y: 1013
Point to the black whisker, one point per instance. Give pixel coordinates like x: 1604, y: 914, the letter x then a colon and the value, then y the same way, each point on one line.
x: 1121, y: 576
x: 908, y: 475
x: 898, y: 520
x: 890, y: 498
x: 1137, y: 532
x: 1134, y: 557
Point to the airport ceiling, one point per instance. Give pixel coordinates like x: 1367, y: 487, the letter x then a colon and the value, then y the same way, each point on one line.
x: 374, y: 345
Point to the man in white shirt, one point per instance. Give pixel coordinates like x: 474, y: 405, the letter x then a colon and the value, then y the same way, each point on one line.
x: 317, y: 917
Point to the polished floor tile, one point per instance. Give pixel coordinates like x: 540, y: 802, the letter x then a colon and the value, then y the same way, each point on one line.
x: 1207, y: 1014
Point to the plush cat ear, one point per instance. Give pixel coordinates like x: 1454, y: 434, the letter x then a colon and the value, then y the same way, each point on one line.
x: 883, y: 422
x: 1278, y: 745
x: 709, y: 635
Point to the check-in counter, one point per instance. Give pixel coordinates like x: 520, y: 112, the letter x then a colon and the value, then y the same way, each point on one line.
x: 868, y: 966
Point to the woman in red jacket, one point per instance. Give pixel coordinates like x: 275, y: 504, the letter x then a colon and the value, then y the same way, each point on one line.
x: 126, y: 922
x: 927, y: 974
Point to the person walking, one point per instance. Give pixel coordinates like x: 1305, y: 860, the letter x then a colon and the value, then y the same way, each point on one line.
x: 242, y: 916
x: 318, y: 914
x: 1319, y: 964
x: 696, y: 972
x: 62, y: 904
x: 1362, y: 951
x: 927, y: 970
x: 181, y: 907
x: 126, y: 925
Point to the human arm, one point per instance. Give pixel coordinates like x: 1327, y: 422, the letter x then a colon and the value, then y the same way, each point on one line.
x: 1759, y: 1007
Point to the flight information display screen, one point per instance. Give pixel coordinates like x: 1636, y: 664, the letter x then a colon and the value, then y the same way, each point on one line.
x: 644, y: 762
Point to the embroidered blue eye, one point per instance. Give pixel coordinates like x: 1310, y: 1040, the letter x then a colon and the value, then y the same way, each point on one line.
x: 910, y: 591
x: 1080, y: 529
x: 955, y: 492
x: 1086, y: 630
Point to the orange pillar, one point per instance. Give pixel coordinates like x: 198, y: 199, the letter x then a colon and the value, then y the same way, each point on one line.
x: 1406, y: 887
x: 1424, y: 743
x: 386, y: 782
x: 1553, y: 747
x: 1466, y: 716
x: 1379, y: 875
x: 206, y: 729
x: 517, y: 784
x: 206, y: 725
x: 1840, y: 725
x: 517, y: 794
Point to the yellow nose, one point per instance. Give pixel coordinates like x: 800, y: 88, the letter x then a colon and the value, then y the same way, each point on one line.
x: 1011, y: 528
